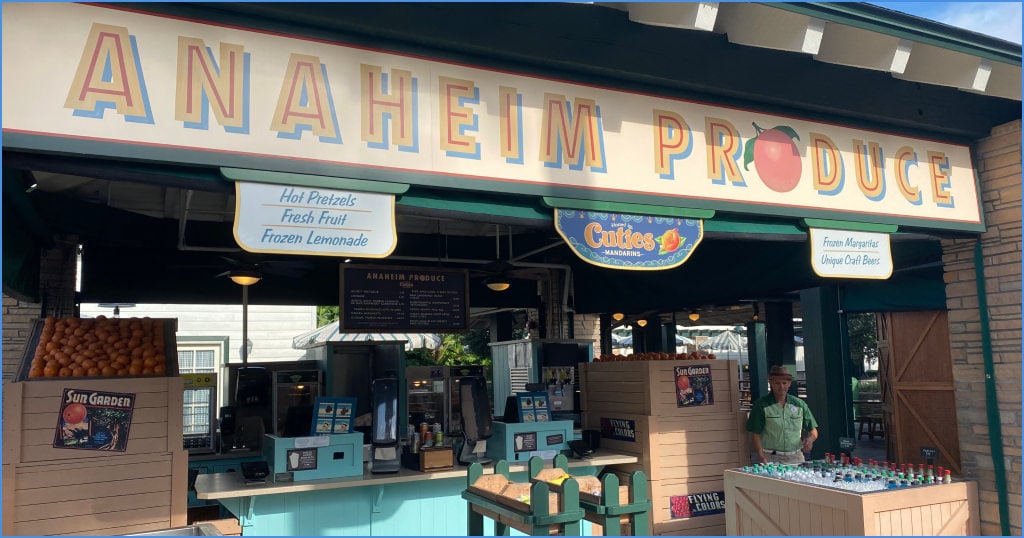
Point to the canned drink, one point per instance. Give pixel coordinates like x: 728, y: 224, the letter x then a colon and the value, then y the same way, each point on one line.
x: 439, y: 438
x: 415, y: 443
x: 424, y: 428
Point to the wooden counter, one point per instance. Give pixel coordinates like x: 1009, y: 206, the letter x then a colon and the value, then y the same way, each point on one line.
x: 404, y: 503
x: 230, y: 485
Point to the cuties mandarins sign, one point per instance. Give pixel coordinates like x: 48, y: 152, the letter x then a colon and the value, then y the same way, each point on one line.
x: 115, y: 82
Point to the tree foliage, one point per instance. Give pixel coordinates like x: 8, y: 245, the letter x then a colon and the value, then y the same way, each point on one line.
x: 863, y: 342
x: 455, y: 349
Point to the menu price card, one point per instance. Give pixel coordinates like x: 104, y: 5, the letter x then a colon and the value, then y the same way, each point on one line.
x: 333, y: 415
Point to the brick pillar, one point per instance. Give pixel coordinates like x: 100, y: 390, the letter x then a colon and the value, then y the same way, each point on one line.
x: 998, y: 159
x: 57, y: 292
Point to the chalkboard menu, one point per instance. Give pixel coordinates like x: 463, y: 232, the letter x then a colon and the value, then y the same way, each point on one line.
x: 404, y: 299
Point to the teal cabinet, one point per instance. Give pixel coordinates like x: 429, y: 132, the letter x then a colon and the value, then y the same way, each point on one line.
x: 427, y: 507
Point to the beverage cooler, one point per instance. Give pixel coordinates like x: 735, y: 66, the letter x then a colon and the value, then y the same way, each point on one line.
x: 433, y: 395
x: 294, y: 393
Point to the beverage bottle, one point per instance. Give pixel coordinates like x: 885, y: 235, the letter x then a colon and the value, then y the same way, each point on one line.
x: 929, y: 471
x: 947, y: 478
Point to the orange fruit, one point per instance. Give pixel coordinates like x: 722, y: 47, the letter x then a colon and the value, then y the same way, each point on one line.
x: 108, y: 370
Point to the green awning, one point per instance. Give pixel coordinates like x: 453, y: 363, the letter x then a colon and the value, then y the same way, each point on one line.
x: 627, y: 208
x: 307, y: 180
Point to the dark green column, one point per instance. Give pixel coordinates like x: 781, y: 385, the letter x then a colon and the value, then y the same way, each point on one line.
x: 757, y: 359
x: 826, y: 359
x: 606, y: 334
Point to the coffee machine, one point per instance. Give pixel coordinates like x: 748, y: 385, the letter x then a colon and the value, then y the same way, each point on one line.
x: 253, y: 411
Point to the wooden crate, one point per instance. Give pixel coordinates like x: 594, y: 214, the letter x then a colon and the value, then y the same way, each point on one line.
x: 49, y: 490
x: 649, y: 387
x: 661, y: 492
x: 757, y: 505
x: 675, y: 447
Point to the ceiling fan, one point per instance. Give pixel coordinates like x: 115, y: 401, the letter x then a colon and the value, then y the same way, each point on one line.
x: 496, y: 274
x: 283, y: 268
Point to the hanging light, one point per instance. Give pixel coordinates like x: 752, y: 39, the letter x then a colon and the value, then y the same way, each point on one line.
x: 641, y: 322
x: 497, y: 283
x: 244, y: 278
x: 694, y: 315
x: 618, y: 316
x: 756, y: 312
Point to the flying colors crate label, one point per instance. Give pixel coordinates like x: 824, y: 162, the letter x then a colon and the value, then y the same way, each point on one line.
x: 122, y: 83
x: 635, y: 242
x: 301, y: 220
x: 849, y: 254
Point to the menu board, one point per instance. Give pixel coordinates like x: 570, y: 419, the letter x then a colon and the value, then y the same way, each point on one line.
x: 404, y: 299
x: 333, y: 415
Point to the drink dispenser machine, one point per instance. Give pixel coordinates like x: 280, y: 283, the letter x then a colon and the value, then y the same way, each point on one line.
x: 385, y: 450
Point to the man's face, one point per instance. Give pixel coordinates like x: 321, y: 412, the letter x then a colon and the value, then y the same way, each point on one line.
x: 779, y: 384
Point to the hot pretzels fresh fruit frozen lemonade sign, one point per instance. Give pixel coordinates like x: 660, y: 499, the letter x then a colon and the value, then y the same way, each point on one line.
x: 326, y: 222
x: 637, y: 242
x: 122, y: 83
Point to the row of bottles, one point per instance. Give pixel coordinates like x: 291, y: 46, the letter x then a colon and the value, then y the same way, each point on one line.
x: 854, y: 475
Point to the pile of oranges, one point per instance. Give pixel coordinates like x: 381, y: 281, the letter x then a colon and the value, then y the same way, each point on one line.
x: 657, y: 356
x: 100, y: 347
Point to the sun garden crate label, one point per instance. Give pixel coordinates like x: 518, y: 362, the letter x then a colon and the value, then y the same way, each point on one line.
x: 623, y: 241
x: 94, y: 420
x: 693, y: 386
x: 618, y: 428
x: 697, y: 504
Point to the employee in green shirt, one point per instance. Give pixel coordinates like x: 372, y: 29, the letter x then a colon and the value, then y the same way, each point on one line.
x: 781, y: 425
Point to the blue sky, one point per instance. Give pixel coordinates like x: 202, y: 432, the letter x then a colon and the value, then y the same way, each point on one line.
x: 997, y: 19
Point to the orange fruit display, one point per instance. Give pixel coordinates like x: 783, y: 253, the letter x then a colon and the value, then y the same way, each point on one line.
x: 100, y: 347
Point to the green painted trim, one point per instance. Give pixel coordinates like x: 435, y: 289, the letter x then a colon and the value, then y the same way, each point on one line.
x: 852, y: 226
x: 753, y: 226
x: 995, y: 428
x: 465, y: 202
x: 632, y: 209
x: 894, y: 23
x: 306, y: 180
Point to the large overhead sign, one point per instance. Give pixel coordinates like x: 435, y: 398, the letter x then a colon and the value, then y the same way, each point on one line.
x: 122, y: 83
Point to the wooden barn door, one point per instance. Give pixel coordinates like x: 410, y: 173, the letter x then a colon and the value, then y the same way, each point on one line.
x: 917, y: 387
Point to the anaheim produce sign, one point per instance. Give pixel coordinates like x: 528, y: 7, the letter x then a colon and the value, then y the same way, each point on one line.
x: 623, y: 241
x: 94, y: 420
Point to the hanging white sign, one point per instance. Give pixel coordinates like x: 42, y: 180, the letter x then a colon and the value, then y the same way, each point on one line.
x: 287, y: 219
x: 849, y: 254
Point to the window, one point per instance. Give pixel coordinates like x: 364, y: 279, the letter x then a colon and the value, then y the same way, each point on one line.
x: 198, y: 358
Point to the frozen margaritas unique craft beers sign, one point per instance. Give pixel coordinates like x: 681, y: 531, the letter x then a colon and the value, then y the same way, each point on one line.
x: 94, y: 420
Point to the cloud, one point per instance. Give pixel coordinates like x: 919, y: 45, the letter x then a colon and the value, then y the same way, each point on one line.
x: 997, y: 19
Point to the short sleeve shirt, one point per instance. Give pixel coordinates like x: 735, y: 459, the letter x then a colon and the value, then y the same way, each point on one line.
x: 780, y: 426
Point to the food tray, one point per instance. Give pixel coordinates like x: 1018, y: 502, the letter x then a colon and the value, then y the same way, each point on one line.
x: 35, y: 332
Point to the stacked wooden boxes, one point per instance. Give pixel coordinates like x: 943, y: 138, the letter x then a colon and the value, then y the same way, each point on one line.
x: 684, y: 451
x: 49, y: 490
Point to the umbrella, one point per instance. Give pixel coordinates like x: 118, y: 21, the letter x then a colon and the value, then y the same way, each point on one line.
x: 331, y: 333
x: 726, y: 341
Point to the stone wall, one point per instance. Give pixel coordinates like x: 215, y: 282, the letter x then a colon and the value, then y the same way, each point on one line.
x: 998, y: 159
x: 57, y: 293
